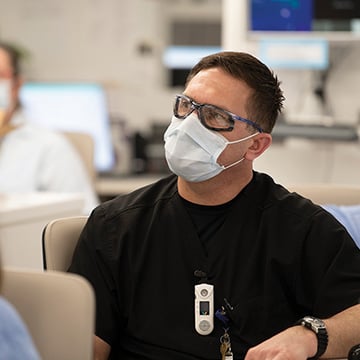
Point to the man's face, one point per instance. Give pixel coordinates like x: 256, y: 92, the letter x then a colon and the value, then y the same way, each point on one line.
x: 215, y: 87
x: 7, y: 74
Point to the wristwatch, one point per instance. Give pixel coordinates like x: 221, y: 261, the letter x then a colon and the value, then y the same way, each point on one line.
x: 319, y: 328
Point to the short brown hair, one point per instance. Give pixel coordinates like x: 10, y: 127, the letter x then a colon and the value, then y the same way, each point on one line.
x: 14, y: 57
x: 266, y: 102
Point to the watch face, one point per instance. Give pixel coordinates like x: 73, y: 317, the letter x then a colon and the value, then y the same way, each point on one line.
x: 316, y: 324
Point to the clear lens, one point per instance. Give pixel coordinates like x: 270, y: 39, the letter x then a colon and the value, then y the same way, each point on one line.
x: 215, y: 118
x: 5, y: 89
x: 210, y: 116
x: 183, y: 107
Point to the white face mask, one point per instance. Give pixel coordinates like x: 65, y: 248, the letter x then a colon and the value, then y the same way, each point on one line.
x: 5, y: 88
x: 191, y: 150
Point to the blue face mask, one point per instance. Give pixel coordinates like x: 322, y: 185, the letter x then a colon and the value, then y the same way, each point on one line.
x: 192, y: 151
x: 5, y: 88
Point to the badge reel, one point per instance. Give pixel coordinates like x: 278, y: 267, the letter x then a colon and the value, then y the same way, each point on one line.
x: 204, y: 308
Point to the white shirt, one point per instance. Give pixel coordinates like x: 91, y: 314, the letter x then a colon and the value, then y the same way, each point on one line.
x: 38, y: 159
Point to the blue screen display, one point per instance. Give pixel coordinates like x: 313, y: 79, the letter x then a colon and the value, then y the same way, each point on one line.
x: 281, y: 15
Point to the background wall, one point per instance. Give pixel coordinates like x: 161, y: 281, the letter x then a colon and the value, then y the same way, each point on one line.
x: 117, y: 43
x: 120, y: 44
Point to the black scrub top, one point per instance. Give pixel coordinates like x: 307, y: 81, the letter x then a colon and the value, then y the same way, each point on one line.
x: 275, y: 258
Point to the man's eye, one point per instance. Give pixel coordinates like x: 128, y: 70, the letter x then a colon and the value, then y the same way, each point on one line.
x: 185, y: 105
x: 220, y: 117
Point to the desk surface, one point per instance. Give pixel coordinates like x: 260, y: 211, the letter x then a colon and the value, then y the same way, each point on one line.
x: 17, y: 207
x: 22, y: 220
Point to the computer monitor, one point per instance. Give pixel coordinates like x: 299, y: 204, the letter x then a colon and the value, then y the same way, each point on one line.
x: 73, y: 107
x: 275, y: 15
x: 314, y: 17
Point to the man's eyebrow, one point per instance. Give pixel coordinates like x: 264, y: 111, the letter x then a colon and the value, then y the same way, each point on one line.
x: 196, y: 102
x: 215, y: 106
x: 189, y: 97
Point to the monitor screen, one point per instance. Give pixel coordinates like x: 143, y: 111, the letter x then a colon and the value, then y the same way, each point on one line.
x: 281, y: 15
x: 304, y: 15
x: 77, y: 107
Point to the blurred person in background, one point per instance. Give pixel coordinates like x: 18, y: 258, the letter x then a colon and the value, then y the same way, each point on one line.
x: 33, y: 158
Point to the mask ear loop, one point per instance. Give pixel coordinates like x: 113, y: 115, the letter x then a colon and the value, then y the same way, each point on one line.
x: 233, y: 164
x: 243, y: 139
x: 236, y: 142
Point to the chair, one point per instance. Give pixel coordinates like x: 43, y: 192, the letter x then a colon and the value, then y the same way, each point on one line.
x: 84, y: 144
x: 58, y: 309
x: 59, y: 240
x: 323, y: 194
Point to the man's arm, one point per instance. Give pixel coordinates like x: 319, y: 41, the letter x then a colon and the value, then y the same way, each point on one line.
x: 344, y: 332
x: 101, y: 349
x: 299, y: 343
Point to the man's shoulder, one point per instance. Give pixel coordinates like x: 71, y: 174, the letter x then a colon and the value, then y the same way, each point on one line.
x: 273, y: 195
x: 144, y: 197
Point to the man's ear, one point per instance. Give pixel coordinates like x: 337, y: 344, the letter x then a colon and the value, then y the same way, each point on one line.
x: 260, y: 143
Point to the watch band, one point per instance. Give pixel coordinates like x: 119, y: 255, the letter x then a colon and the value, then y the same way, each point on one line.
x: 318, y: 327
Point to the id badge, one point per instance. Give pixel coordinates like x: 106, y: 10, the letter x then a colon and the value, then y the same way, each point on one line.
x: 204, y: 308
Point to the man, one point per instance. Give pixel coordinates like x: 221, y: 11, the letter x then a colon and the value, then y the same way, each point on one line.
x: 257, y: 256
x: 33, y: 158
